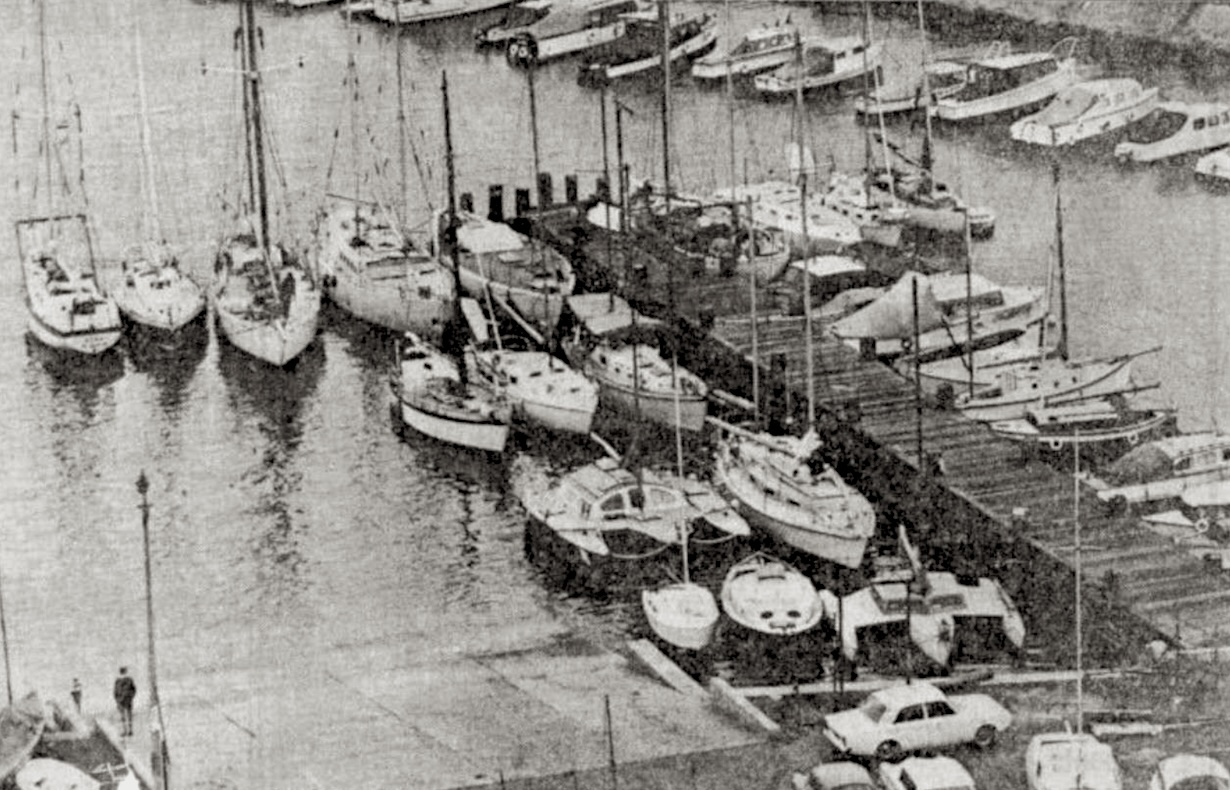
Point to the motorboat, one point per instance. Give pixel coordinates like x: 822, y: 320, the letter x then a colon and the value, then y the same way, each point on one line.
x: 1214, y: 166
x: 933, y: 605
x: 1174, y: 129
x: 777, y: 204
x: 1165, y: 468
x: 266, y: 300
x: 781, y: 489
x: 602, y: 511
x: 1010, y: 83
x: 683, y: 614
x: 1096, y: 424
x: 516, y: 18
x: 568, y: 28
x: 414, y: 12
x: 760, y: 49
x: 929, y: 204
x: 1050, y: 381
x: 950, y: 304
x: 540, y: 388
x: 153, y: 291
x: 437, y: 400
x: 827, y: 62
x: 521, y: 274
x: 620, y: 349
x: 640, y: 48
x: 1086, y: 110
x: 1067, y: 760
x: 944, y: 78
x: 68, y: 311
x: 767, y: 595
x: 373, y: 271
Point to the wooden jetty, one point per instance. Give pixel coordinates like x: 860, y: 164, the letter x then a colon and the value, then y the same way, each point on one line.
x: 975, y: 503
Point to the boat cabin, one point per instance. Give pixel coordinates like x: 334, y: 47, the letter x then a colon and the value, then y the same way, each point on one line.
x: 822, y: 57
x: 999, y: 75
x: 952, y: 293
x: 763, y: 39
x: 1171, y: 118
x: 1172, y: 457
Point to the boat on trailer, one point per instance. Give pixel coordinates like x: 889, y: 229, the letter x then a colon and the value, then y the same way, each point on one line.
x: 1010, y: 83
x: 1174, y: 129
x: 1085, y: 111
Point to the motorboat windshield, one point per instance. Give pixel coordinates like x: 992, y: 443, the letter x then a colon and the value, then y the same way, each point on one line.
x: 1067, y: 107
x: 1158, y: 125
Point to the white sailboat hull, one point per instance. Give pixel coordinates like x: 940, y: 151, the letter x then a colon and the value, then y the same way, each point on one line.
x: 392, y: 306
x: 91, y: 341
x: 168, y: 309
x: 276, y: 341
x: 1069, y: 381
x: 489, y: 436
x: 658, y: 407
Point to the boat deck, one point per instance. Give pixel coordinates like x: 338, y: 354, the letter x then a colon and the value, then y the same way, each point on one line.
x: 980, y: 500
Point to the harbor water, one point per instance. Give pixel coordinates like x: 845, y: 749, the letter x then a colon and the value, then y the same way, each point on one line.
x: 293, y: 532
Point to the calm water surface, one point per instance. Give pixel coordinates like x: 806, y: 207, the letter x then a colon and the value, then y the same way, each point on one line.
x: 288, y: 517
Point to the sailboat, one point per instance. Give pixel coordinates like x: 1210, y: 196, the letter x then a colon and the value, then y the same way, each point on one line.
x: 435, y: 393
x: 266, y: 300
x: 1070, y: 759
x: 682, y: 613
x: 1051, y: 380
x: 68, y: 309
x: 779, y: 489
x: 369, y: 265
x: 153, y: 292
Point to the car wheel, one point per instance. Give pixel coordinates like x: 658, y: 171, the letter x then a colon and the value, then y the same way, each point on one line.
x: 985, y: 737
x: 889, y: 752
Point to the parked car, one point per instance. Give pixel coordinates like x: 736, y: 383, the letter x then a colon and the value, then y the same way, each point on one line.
x: 918, y: 715
x: 1190, y: 772
x: 841, y: 775
x: 1071, y: 761
x: 926, y: 773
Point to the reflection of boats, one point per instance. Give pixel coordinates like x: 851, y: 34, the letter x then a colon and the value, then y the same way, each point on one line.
x: 760, y: 49
x: 775, y: 481
x: 827, y: 62
x: 640, y: 48
x: 1010, y: 83
x: 603, y: 510
x: 266, y: 301
x: 765, y: 594
x: 1098, y: 423
x: 413, y: 12
x: 521, y: 272
x: 618, y: 348
x: 1176, y: 128
x: 1086, y: 110
x: 1165, y: 468
x: 568, y: 28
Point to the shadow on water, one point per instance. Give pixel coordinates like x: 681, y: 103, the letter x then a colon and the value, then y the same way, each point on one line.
x: 276, y: 398
x: 373, y: 346
x: 81, y: 376
x: 171, y: 361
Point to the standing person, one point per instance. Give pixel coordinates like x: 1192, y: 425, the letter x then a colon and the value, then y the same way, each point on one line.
x: 125, y: 693
x: 76, y: 692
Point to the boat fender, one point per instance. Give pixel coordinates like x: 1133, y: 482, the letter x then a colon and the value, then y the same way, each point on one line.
x: 1202, y: 524
x: 1055, y: 445
x: 1133, y: 439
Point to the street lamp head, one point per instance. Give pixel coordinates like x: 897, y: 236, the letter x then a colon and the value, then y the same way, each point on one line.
x: 142, y: 483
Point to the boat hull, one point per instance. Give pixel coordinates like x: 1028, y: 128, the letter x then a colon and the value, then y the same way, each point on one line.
x: 692, y: 47
x: 413, y: 12
x: 1094, y: 125
x: 657, y: 407
x: 1019, y: 99
x: 683, y: 615
x: 1101, y: 377
x: 488, y: 435
x: 276, y: 341
x: 88, y: 342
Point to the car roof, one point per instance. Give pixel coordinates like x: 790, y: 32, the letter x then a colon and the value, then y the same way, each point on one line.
x: 895, y: 696
x: 939, y: 772
x: 840, y: 774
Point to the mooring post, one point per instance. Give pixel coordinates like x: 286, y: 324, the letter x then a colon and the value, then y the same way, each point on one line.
x: 571, y: 192
x: 521, y: 202
x: 546, y: 192
x: 495, y: 202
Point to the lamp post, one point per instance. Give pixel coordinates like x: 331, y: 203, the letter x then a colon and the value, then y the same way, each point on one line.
x: 158, y: 747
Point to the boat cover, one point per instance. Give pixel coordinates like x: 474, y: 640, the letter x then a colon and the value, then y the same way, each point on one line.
x: 892, y: 315
x: 605, y: 313
x: 479, y: 235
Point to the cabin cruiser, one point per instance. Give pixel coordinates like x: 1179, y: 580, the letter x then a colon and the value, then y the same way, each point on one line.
x: 640, y: 48
x: 1176, y: 128
x: 1010, y: 83
x: 1086, y: 110
x: 760, y: 49
x: 568, y: 28
x: 827, y: 62
x: 1165, y: 468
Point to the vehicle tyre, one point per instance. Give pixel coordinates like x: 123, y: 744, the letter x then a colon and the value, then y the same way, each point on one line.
x: 522, y: 52
x: 985, y: 737
x: 890, y: 752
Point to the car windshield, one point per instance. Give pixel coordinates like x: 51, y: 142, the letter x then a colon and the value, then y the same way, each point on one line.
x: 873, y: 709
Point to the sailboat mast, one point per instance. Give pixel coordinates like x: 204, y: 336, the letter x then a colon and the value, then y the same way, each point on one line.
x: 926, y: 91
x: 866, y: 92
x: 664, y: 20
x: 45, y: 87
x: 1076, y: 542
x: 449, y: 245
x: 252, y: 79
x: 1059, y: 258
x: 401, y: 123
x: 152, y: 230
x: 807, y: 322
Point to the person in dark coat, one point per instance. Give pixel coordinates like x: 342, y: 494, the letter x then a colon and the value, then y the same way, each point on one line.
x: 125, y: 693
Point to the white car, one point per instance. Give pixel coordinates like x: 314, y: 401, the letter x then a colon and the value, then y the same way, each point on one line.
x: 842, y: 775
x: 1070, y: 761
x: 1190, y: 772
x: 918, y: 715
x: 926, y: 773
